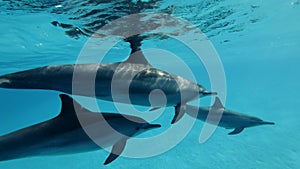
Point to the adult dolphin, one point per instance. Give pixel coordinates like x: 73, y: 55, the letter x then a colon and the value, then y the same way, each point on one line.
x: 64, y: 134
x: 134, y: 78
x: 229, y: 119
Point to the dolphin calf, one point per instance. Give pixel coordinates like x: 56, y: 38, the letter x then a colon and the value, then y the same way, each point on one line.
x: 229, y: 119
x: 65, y: 135
x: 134, y: 77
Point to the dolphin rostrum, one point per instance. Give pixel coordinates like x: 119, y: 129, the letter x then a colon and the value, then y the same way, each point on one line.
x: 64, y: 134
x: 229, y: 119
x: 134, y: 77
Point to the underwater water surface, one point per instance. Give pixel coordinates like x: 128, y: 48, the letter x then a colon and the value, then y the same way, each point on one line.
x: 257, y: 42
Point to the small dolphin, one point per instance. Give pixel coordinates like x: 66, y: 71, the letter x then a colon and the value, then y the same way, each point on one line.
x: 65, y: 135
x: 178, y: 90
x: 229, y: 119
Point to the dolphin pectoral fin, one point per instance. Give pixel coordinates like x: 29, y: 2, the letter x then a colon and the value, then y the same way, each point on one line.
x: 236, y: 131
x: 116, y: 151
x: 179, y: 112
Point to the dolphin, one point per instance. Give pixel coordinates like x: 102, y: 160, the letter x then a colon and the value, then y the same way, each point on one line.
x: 134, y: 77
x: 64, y: 134
x: 229, y: 119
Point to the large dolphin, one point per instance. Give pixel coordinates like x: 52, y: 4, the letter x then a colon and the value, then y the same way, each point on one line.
x: 65, y: 135
x: 229, y: 119
x: 134, y: 78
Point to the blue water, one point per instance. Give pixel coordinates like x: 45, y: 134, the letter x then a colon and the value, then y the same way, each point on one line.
x: 258, y: 44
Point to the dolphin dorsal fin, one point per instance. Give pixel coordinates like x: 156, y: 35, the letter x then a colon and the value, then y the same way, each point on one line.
x: 218, y: 104
x: 137, y: 57
x: 136, y: 54
x: 68, y: 106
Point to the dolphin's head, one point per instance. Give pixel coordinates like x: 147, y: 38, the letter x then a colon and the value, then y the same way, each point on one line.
x: 254, y: 121
x: 142, y: 127
x: 146, y: 126
x: 131, y: 125
x: 203, y: 92
x: 261, y: 122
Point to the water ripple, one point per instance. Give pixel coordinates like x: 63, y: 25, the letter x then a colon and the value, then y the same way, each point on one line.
x: 86, y: 17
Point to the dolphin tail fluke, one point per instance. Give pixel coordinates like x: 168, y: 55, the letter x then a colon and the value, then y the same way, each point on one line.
x: 116, y: 151
x: 236, y: 131
x: 180, y: 109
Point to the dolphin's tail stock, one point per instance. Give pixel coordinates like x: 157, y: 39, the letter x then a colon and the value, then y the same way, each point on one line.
x: 4, y: 82
x: 8, y: 148
x: 23, y: 79
x: 14, y: 80
x: 2, y: 150
x: 38, y: 78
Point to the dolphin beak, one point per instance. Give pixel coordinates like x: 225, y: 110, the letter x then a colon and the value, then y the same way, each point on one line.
x: 151, y: 126
x: 270, y: 123
x: 205, y: 93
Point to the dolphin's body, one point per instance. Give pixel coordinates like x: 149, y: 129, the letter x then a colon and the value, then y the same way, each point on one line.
x: 65, y: 135
x: 229, y: 119
x: 134, y: 78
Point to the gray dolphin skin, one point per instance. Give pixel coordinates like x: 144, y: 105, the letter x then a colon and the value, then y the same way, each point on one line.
x: 229, y: 119
x: 135, y: 73
x: 65, y: 135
